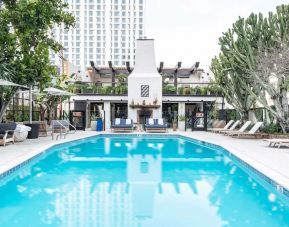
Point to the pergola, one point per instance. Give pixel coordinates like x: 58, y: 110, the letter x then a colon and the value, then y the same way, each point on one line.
x: 175, y: 72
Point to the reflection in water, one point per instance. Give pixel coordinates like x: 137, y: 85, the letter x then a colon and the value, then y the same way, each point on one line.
x: 132, y: 181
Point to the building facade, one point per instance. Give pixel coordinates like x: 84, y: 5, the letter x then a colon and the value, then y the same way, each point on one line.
x: 105, y: 30
x: 145, y: 91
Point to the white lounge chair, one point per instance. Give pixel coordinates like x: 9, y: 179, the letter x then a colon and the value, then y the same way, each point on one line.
x: 242, y: 129
x: 233, y: 127
x: 278, y: 142
x: 227, y: 126
x: 250, y: 134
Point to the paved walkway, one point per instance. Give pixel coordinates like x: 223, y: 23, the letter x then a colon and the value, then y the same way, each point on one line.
x: 272, y: 162
x: 14, y: 154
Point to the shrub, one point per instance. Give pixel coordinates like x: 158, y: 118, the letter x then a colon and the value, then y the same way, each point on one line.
x: 272, y: 128
x: 169, y: 89
x: 180, y: 90
x: 187, y: 91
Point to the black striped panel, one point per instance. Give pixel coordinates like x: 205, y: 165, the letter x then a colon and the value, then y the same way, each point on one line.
x: 145, y: 90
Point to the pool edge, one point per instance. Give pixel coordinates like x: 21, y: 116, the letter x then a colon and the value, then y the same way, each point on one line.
x: 281, y: 188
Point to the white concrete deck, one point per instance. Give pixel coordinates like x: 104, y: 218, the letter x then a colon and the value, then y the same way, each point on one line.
x: 13, y: 154
x: 272, y: 162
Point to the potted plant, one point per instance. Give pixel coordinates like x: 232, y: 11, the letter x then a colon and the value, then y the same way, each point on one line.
x: 182, y: 122
x: 175, y: 124
x: 93, y: 122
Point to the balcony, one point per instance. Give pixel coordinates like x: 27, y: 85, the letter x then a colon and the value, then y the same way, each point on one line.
x: 101, y: 88
x: 120, y: 88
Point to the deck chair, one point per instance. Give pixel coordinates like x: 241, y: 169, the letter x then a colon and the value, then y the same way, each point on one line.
x: 122, y: 125
x: 7, y: 132
x: 250, y: 134
x: 233, y: 127
x: 242, y: 129
x: 278, y: 142
x: 155, y: 125
x: 227, y: 126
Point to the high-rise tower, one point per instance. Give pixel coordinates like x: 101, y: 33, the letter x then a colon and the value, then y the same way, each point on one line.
x: 105, y: 30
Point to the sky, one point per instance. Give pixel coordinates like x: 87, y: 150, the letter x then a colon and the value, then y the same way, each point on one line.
x: 188, y: 30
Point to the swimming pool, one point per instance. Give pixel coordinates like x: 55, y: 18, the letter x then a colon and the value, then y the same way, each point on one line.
x: 138, y: 181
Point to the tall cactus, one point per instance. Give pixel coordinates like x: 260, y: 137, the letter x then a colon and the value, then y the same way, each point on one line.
x: 240, y: 47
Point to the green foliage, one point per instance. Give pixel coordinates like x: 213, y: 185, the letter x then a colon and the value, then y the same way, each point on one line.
x: 211, y: 89
x: 169, y: 89
x: 187, y: 91
x: 272, y: 128
x: 121, y: 78
x: 180, y: 90
x: 25, y: 42
x: 240, y: 47
x: 181, y: 117
x: 233, y: 115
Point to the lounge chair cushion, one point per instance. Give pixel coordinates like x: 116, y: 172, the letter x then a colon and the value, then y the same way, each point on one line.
x: 156, y: 124
x: 7, y: 126
x: 160, y: 121
x: 117, y: 121
x: 123, y: 124
x: 8, y: 136
x: 151, y: 121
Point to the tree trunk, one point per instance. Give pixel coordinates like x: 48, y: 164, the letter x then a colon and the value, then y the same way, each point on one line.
x: 244, y: 115
x: 42, y: 112
x: 3, y: 107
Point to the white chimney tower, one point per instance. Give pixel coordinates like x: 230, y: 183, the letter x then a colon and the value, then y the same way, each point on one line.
x: 144, y: 84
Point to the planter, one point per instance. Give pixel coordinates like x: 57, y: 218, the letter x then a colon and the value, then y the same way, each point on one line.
x: 34, y: 133
x: 174, y: 126
x: 182, y: 125
x: 99, y: 125
x: 20, y: 136
x: 21, y: 133
x: 93, y: 125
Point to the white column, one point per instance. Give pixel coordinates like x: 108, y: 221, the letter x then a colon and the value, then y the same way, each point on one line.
x: 182, y: 109
x: 106, y: 108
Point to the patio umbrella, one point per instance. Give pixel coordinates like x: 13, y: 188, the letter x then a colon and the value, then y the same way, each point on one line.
x: 8, y: 83
x: 57, y: 92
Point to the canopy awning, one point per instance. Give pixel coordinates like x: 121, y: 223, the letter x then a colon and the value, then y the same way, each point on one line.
x: 8, y: 83
x: 57, y: 92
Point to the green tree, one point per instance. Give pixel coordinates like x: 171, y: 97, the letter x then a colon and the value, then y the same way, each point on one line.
x: 237, y: 69
x: 27, y: 24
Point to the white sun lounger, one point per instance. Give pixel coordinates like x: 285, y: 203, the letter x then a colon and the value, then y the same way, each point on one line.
x: 227, y: 126
x: 242, y: 129
x: 229, y: 129
x: 250, y: 134
x: 278, y: 142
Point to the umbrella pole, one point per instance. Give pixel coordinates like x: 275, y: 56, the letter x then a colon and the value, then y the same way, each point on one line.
x: 30, y: 104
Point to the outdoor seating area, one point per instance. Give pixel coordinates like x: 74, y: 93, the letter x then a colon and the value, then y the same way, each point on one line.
x: 122, y: 125
x: 242, y: 132
x: 7, y: 131
x: 156, y: 125
x: 20, y: 131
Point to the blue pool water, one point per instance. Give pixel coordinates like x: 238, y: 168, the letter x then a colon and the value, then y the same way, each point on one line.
x: 141, y: 182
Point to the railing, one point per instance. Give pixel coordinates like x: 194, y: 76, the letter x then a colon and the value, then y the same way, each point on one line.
x: 109, y: 88
x: 62, y: 127
x: 100, y: 88
x: 191, y: 89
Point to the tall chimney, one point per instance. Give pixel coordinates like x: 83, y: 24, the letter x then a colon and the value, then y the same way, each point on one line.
x: 144, y: 83
x: 145, y: 62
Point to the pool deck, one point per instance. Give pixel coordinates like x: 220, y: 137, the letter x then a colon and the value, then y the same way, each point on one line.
x: 272, y: 162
